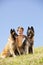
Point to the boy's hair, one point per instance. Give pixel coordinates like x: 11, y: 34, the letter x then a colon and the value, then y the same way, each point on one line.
x: 20, y: 28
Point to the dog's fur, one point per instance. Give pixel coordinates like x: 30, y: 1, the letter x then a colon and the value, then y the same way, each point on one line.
x: 30, y: 37
x: 10, y: 46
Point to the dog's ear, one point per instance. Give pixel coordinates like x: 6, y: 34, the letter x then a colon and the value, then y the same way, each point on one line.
x: 27, y: 30
x: 11, y: 30
x: 14, y: 30
x: 32, y: 28
x: 28, y: 27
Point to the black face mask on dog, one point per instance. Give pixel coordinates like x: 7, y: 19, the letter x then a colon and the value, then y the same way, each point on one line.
x: 30, y: 32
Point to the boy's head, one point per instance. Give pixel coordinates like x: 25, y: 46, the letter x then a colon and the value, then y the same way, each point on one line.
x: 20, y: 30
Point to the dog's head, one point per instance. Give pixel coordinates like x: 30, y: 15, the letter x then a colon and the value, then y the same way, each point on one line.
x: 30, y: 32
x: 13, y: 33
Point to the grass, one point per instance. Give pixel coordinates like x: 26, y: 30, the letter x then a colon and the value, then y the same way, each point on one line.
x: 30, y: 59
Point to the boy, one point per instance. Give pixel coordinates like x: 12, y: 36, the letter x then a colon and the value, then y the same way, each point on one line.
x: 22, y: 41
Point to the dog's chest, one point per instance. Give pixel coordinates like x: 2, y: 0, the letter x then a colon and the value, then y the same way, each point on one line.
x: 30, y: 40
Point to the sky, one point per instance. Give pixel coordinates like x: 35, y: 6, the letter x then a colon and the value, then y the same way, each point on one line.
x: 14, y: 13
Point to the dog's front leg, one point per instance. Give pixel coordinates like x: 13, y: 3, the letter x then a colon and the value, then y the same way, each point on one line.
x: 18, y: 51
x: 12, y: 53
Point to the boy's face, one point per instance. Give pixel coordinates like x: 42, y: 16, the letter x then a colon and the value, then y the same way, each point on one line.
x: 20, y: 31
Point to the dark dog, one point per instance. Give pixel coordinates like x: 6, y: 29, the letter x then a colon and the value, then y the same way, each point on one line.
x: 30, y: 37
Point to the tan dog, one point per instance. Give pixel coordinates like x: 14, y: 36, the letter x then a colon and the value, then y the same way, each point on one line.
x: 10, y: 46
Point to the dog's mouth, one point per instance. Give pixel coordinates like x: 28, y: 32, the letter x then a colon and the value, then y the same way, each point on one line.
x: 29, y: 35
x: 15, y: 35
